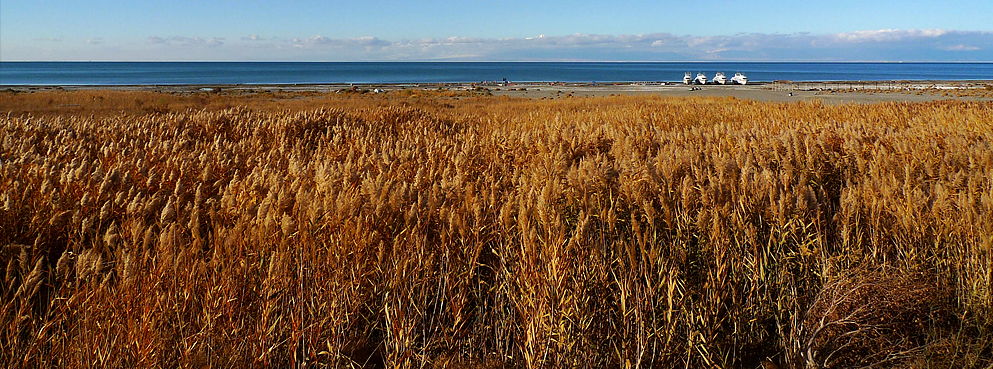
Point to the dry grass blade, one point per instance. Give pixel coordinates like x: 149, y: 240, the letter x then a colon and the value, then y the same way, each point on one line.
x: 425, y: 229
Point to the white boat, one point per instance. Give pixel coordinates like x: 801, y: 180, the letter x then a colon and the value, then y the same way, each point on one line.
x: 700, y: 79
x: 720, y: 78
x: 739, y: 79
x: 687, y: 78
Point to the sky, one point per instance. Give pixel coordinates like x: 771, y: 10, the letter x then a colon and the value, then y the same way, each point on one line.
x: 505, y: 30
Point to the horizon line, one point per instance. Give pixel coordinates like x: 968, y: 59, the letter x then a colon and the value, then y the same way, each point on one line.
x: 512, y: 61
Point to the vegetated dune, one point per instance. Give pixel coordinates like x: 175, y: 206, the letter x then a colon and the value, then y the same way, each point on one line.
x: 485, y: 232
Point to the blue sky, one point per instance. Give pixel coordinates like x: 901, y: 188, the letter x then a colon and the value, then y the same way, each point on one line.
x: 949, y: 30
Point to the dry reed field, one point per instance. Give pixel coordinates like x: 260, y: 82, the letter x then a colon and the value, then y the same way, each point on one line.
x: 422, y: 230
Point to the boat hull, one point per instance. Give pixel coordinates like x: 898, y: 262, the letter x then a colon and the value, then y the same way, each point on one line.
x: 739, y: 79
x: 720, y: 79
x: 700, y: 79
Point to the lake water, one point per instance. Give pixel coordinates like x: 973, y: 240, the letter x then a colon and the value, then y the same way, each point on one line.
x: 181, y: 73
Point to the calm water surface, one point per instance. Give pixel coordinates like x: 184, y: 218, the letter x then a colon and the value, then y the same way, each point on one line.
x: 180, y: 73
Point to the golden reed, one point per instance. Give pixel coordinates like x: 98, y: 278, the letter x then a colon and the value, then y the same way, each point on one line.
x: 430, y: 229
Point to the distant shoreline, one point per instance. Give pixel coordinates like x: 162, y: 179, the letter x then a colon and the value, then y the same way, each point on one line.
x: 339, y: 85
x: 834, y: 92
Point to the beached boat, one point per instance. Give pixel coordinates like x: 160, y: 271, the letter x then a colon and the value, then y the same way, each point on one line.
x: 687, y: 78
x: 720, y: 78
x: 701, y: 79
x: 739, y: 79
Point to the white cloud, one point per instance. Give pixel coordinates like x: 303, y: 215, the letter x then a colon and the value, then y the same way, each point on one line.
x: 464, y: 40
x: 961, y: 47
x: 186, y: 41
x: 870, y: 45
x: 889, y: 35
x: 322, y: 42
x: 863, y: 45
x: 94, y: 41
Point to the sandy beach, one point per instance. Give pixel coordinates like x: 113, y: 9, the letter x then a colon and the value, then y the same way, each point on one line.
x: 839, y: 92
x: 832, y: 93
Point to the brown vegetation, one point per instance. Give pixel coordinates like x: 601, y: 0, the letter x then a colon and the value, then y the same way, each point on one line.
x: 429, y: 230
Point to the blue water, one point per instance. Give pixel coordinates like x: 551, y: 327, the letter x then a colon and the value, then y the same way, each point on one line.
x: 176, y: 73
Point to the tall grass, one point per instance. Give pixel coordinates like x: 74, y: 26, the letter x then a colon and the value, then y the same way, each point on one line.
x: 451, y: 231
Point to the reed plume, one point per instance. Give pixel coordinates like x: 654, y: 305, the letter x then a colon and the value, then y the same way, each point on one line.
x: 427, y: 229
